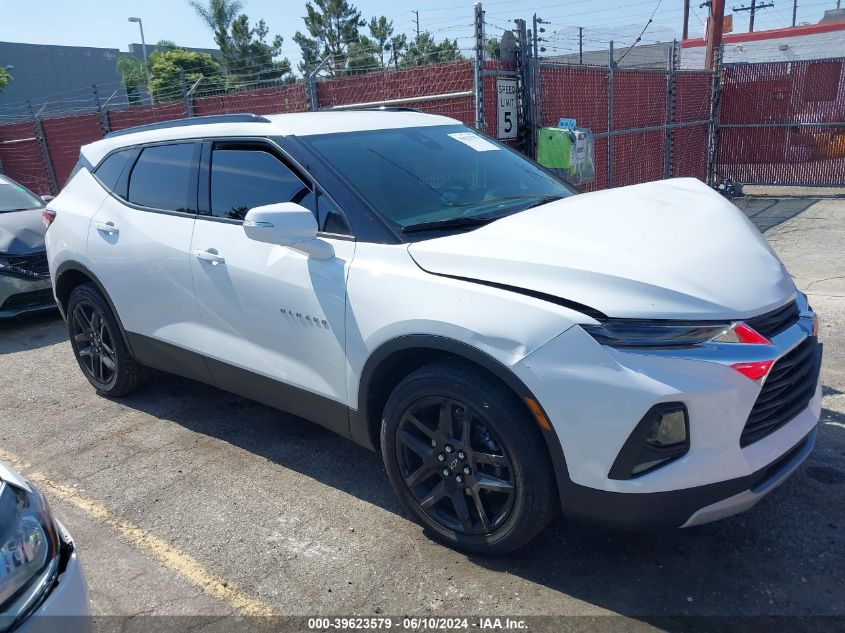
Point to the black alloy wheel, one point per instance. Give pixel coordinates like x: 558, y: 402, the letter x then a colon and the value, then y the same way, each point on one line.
x: 98, y: 343
x: 455, y: 465
x: 94, y: 343
x: 467, y: 458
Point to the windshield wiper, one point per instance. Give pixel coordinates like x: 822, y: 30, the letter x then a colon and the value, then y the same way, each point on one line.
x: 544, y: 200
x: 445, y: 225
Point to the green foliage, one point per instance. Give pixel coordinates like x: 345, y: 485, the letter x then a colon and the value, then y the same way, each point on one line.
x: 424, y: 50
x: 247, y: 54
x: 332, y: 27
x: 381, y: 30
x: 493, y: 48
x: 166, y: 74
x: 163, y: 46
x: 251, y: 56
x: 219, y: 15
x: 131, y: 71
x: 5, y: 78
x: 396, y: 48
x: 363, y: 56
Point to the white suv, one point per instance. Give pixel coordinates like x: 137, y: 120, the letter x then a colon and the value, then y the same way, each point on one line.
x: 637, y: 356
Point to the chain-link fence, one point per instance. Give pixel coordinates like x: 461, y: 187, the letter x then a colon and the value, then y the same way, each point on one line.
x: 754, y: 123
x: 647, y: 122
x: 783, y: 123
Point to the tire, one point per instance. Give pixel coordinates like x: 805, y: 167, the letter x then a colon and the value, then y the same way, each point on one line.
x: 504, y: 469
x: 98, y: 344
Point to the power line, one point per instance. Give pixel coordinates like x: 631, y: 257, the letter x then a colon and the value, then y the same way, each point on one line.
x: 753, y: 8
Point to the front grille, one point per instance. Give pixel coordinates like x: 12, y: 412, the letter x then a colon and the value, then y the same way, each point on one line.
x: 34, y: 265
x: 787, y: 391
x: 776, y: 321
x: 27, y: 300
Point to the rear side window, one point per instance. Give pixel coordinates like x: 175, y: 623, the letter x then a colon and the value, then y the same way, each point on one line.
x: 245, y: 178
x: 163, y: 178
x: 111, y: 169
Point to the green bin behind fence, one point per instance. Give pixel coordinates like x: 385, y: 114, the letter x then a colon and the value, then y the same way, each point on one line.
x: 558, y: 151
x: 554, y: 148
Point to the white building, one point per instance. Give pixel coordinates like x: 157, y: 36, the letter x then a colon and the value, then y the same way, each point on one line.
x: 812, y: 41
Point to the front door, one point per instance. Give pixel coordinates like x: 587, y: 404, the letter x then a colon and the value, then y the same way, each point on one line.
x: 273, y: 316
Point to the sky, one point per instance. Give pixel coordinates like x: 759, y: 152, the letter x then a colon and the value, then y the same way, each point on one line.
x: 103, y: 23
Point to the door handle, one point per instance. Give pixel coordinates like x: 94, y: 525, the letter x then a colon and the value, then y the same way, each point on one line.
x: 210, y: 256
x: 107, y: 227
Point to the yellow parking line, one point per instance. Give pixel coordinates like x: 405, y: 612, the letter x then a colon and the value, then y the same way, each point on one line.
x: 176, y: 560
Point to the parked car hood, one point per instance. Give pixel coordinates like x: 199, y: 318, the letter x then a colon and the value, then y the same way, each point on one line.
x: 21, y: 232
x: 673, y: 249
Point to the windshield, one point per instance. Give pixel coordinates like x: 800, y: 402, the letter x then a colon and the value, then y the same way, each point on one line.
x: 439, y: 177
x: 14, y: 197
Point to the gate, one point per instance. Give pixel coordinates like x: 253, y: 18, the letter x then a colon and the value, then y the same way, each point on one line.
x: 782, y: 123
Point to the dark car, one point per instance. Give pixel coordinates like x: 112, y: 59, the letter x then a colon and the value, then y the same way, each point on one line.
x: 24, y: 275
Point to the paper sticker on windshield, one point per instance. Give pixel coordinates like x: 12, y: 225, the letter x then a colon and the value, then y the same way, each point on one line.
x: 474, y: 141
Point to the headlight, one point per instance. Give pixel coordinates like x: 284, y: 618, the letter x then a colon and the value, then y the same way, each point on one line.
x: 634, y: 333
x: 29, y: 552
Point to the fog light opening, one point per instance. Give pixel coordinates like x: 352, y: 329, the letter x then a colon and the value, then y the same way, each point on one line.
x: 661, y: 437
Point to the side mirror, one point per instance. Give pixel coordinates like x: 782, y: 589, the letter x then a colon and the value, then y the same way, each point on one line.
x: 286, y: 224
x: 47, y: 198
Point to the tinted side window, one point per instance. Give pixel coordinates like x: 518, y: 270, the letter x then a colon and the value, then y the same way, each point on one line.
x: 163, y: 177
x: 245, y: 178
x: 110, y: 170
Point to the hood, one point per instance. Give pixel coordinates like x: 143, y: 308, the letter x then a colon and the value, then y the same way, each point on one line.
x: 8, y: 474
x: 21, y: 232
x: 672, y: 249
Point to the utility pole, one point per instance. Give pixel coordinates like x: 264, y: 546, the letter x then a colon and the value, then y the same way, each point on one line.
x: 794, y: 10
x: 417, y: 14
x: 753, y: 8
x: 685, y: 33
x: 714, y: 31
x: 581, y: 45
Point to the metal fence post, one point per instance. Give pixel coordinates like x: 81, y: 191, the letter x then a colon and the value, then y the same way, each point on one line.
x: 713, y: 136
x: 43, y: 150
x: 104, y: 115
x: 611, y: 64
x: 523, y: 69
x: 478, y: 69
x: 668, y: 137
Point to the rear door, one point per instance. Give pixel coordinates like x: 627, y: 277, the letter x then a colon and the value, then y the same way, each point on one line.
x: 139, y: 244
x: 269, y: 311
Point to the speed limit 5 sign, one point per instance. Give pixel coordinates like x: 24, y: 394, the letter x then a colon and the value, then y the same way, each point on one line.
x: 506, y: 113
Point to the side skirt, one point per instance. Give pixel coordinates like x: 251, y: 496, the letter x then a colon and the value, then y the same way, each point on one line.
x: 176, y: 360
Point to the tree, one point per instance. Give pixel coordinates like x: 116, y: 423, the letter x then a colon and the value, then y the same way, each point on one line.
x: 397, y: 46
x: 363, y: 55
x: 5, y: 78
x: 219, y: 15
x: 165, y: 45
x: 247, y: 54
x: 332, y: 26
x: 381, y: 30
x: 424, y: 50
x: 251, y: 56
x: 131, y: 71
x: 493, y: 48
x: 167, y: 68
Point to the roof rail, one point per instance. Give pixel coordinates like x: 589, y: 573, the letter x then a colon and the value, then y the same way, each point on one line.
x: 364, y: 108
x: 199, y: 120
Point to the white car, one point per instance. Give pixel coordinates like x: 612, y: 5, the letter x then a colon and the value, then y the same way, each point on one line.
x: 637, y: 356
x: 42, y: 587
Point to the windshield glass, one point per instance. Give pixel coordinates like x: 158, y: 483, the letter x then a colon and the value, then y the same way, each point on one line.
x: 14, y: 197
x: 417, y: 176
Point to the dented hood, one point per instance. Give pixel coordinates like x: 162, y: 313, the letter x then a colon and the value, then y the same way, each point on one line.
x: 21, y: 232
x: 673, y: 249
